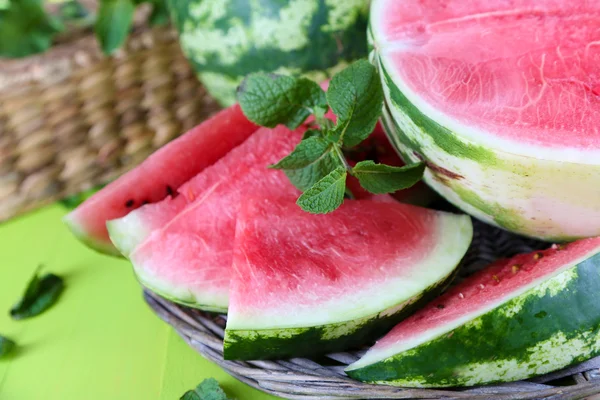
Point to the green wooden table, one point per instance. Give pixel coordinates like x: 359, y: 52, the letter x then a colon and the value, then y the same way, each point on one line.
x: 100, y: 341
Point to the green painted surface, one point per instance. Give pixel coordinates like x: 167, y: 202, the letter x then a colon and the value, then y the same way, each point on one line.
x: 549, y: 327
x: 227, y: 39
x: 100, y: 341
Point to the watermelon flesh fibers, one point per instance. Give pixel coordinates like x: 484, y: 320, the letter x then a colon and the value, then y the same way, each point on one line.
x: 305, y: 283
x: 182, y: 248
x: 158, y: 176
x: 525, y: 316
x: 498, y: 94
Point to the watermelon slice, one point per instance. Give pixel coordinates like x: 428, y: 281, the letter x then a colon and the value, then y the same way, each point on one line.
x: 498, y: 94
x: 521, y: 317
x: 182, y: 248
x: 305, y: 283
x: 158, y: 176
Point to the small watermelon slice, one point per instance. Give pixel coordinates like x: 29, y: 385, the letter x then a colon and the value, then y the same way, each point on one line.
x: 305, y: 283
x: 182, y: 248
x: 517, y: 318
x: 158, y: 176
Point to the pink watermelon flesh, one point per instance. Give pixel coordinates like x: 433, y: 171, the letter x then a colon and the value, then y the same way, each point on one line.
x: 189, y: 258
x: 481, y: 292
x: 295, y: 269
x: 159, y: 175
x: 521, y: 70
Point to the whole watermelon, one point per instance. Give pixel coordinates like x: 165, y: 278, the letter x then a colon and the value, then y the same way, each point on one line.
x: 227, y: 39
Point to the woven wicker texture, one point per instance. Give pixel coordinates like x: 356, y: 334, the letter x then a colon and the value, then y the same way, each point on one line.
x: 302, y: 378
x: 72, y: 118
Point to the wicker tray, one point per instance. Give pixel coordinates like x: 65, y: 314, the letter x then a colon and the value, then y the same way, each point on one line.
x: 72, y: 118
x: 301, y: 378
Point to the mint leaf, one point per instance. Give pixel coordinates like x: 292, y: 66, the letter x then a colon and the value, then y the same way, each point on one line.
x: 26, y: 28
x: 113, y: 23
x: 307, y: 152
x: 271, y: 99
x: 208, y: 389
x: 41, y: 293
x: 327, y: 194
x: 160, y: 13
x: 356, y: 97
x: 381, y: 178
x: 6, y: 346
x: 305, y: 178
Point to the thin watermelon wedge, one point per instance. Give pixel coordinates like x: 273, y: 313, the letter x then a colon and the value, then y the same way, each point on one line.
x: 182, y: 248
x: 305, y: 284
x: 158, y: 176
x: 517, y: 318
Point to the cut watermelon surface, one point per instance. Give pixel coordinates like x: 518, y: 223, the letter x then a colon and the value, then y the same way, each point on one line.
x: 501, y: 99
x: 182, y: 248
x: 305, y: 283
x: 158, y: 176
x: 517, y: 318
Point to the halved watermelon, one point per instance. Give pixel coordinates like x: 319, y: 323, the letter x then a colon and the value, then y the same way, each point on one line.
x: 525, y: 316
x: 498, y: 94
x: 182, y: 248
x: 305, y: 283
x: 158, y: 176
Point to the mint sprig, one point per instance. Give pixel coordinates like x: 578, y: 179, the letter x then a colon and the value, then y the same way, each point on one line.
x: 317, y: 166
x: 41, y: 293
x: 6, y: 346
x: 208, y: 389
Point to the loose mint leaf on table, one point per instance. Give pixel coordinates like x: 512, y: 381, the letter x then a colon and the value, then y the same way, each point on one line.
x: 381, y: 178
x: 6, y: 346
x: 208, y: 389
x: 317, y: 165
x: 271, y: 99
x: 41, y: 293
x: 327, y: 194
x: 113, y: 23
x: 356, y: 98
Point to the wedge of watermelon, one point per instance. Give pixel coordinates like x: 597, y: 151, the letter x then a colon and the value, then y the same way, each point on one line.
x: 182, y: 248
x: 305, y: 284
x: 498, y: 94
x: 525, y: 316
x: 158, y: 176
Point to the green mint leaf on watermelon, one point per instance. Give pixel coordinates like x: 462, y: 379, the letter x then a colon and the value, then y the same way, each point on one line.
x: 113, y: 23
x: 208, y: 389
x: 6, y: 346
x: 41, y: 293
x: 356, y: 97
x: 327, y: 194
x: 381, y: 178
x: 308, y: 151
x: 270, y: 99
x: 26, y: 28
x: 305, y: 178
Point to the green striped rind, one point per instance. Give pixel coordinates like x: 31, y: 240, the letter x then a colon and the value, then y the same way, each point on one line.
x: 99, y: 246
x: 188, y: 302
x: 227, y: 39
x: 468, y: 175
x: 297, y: 342
x: 548, y: 327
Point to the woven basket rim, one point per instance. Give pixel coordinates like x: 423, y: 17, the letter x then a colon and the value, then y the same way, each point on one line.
x: 301, y: 378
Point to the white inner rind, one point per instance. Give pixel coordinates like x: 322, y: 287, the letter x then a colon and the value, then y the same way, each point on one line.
x: 453, y: 235
x: 376, y: 354
x: 484, y: 138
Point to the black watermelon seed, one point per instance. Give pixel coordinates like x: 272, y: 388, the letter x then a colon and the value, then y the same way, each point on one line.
x: 129, y: 203
x: 169, y: 191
